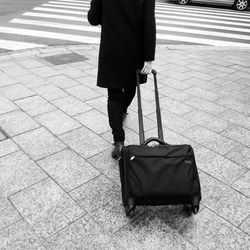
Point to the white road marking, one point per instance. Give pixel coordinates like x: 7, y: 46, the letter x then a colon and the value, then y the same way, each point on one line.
x: 59, y: 10
x: 63, y: 17
x: 16, y: 45
x: 64, y: 7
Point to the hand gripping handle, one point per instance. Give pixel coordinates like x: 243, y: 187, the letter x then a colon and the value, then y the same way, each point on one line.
x: 158, y: 111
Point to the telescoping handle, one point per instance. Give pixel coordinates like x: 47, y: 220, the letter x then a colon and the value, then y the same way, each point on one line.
x: 158, y: 111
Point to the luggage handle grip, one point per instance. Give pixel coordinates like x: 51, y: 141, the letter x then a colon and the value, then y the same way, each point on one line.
x: 161, y: 142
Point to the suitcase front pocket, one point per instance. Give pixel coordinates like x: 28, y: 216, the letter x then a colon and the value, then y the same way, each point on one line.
x: 156, y: 176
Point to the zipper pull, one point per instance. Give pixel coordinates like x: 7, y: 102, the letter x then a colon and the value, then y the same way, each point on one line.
x: 132, y: 158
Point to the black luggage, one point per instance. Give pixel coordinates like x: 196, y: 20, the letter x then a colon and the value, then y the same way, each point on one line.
x: 161, y: 174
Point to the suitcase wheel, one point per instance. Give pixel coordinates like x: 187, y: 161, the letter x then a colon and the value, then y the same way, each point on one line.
x: 130, y: 208
x: 188, y: 209
x: 195, y: 209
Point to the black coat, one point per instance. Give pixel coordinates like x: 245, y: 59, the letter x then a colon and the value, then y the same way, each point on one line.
x: 128, y: 35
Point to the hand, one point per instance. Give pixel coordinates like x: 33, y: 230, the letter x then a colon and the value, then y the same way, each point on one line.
x: 147, y: 68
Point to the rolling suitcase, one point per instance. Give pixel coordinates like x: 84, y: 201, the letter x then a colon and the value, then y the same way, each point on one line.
x: 161, y: 174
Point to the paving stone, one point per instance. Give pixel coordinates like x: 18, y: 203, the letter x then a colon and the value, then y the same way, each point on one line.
x: 58, y: 122
x: 50, y: 92
x: 30, y: 63
x: 7, y: 147
x: 209, y: 231
x: 227, y: 84
x: 148, y: 231
x: 217, y: 166
x: 147, y: 107
x: 238, y: 134
x: 17, y: 122
x: 39, y: 143
x: 241, y: 107
x: 18, y: 172
x: 206, y: 106
x: 45, y: 71
x: 46, y: 208
x: 68, y: 169
x: 88, y: 81
x: 15, y: 70
x: 85, y: 142
x: 8, y: 214
x: 83, y: 93
x: 224, y: 200
x: 85, y: 233
x: 174, y: 94
x: 203, y: 94
x: 195, y: 82
x: 236, y: 118
x: 69, y: 71
x: 240, y: 155
x: 32, y: 80
x: 172, y: 121
x: 176, y: 84
x: 19, y: 236
x: 245, y: 226
x: 99, y: 103
x: 6, y: 105
x: 63, y: 81
x: 174, y: 106
x: 2, y: 136
x: 94, y: 120
x: 16, y: 91
x: 243, y: 184
x: 209, y: 121
x: 148, y: 94
x: 97, y: 193
x: 200, y: 75
x: 6, y: 80
x: 35, y: 105
x: 71, y: 105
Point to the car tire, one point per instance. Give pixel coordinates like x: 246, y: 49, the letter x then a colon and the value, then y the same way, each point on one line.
x: 184, y: 2
x: 241, y: 4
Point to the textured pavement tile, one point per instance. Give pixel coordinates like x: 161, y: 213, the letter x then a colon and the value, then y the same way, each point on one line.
x: 19, y: 236
x: 17, y: 122
x: 32, y: 80
x: 58, y: 122
x: 17, y: 172
x: 236, y: 118
x: 8, y: 214
x: 85, y: 142
x: 176, y: 84
x: 148, y: 231
x: 223, y: 200
x: 62, y: 81
x: 209, y: 231
x: 85, y: 233
x: 71, y: 105
x: 209, y: 107
x: 88, y: 81
x: 203, y: 94
x: 97, y: 193
x: 243, y: 184
x: 99, y: 103
x: 35, y: 105
x: 69, y: 71
x: 7, y: 147
x: 209, y: 121
x: 16, y: 70
x: 107, y: 165
x: 147, y: 107
x: 45, y: 71
x: 227, y: 84
x: 16, y: 91
x: 238, y: 134
x: 83, y: 93
x: 50, y: 92
x: 172, y: 121
x: 240, y: 155
x: 6, y: 105
x: 200, y: 75
x: 30, y: 63
x: 39, y: 143
x: 46, y: 207
x: 94, y: 120
x: 6, y: 80
x: 245, y: 226
x: 217, y: 166
x: 175, y: 94
x: 68, y: 169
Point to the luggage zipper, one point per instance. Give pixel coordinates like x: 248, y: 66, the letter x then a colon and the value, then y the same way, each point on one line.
x: 153, y: 156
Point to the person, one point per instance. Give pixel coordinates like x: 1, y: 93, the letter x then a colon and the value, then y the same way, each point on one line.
x: 128, y: 40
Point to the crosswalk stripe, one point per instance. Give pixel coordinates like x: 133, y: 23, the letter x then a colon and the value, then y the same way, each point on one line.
x: 16, y: 45
x: 58, y: 10
x: 73, y: 1
x: 54, y: 16
x: 64, y: 7
x: 70, y: 4
x: 200, y: 40
x: 47, y: 34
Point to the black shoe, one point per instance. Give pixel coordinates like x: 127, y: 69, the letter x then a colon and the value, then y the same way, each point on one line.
x: 116, y: 153
x: 124, y: 115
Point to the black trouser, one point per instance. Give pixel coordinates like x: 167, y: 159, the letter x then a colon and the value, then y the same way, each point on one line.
x: 118, y: 102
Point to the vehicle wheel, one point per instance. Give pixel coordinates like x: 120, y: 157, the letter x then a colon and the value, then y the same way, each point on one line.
x: 183, y: 2
x: 240, y: 4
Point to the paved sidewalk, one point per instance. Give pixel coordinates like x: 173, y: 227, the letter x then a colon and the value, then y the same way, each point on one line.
x: 59, y: 187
